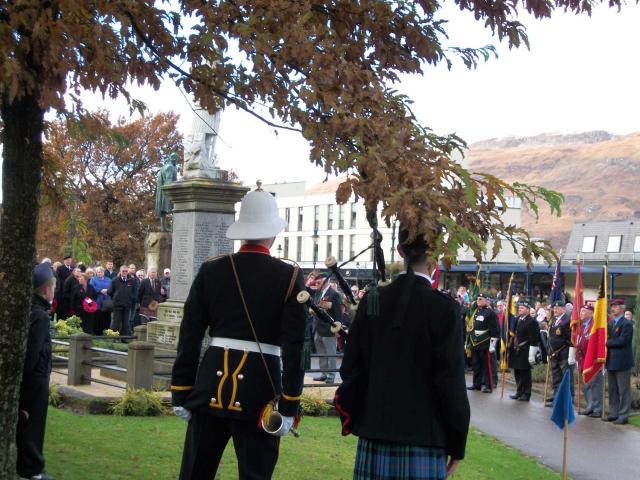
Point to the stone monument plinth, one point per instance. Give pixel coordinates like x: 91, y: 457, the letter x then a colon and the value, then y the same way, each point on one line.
x: 157, y: 249
x: 203, y: 210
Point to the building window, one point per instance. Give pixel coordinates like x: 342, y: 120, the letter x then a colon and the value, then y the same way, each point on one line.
x: 341, y: 216
x: 352, y: 246
x: 614, y: 244
x: 329, y: 217
x: 300, y: 218
x: 588, y: 244
x: 286, y: 247
x: 353, y: 215
x: 287, y: 218
x: 316, y: 218
x: 636, y: 244
x: 299, y: 249
x: 329, y: 245
x: 341, y: 247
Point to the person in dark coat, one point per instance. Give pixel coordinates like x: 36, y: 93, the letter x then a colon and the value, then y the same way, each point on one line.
x: 149, y: 295
x: 483, y: 339
x: 121, y: 292
x: 523, y: 348
x: 83, y: 296
x: 559, y: 346
x: 409, y: 352
x: 593, y: 391
x: 34, y: 389
x: 63, y: 272
x: 254, y: 354
x: 324, y: 339
x: 619, y: 364
x: 67, y: 288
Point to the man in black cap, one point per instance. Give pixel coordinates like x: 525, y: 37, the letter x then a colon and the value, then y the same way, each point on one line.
x: 523, y: 347
x: 62, y: 273
x: 559, y: 346
x: 34, y: 389
x: 483, y: 339
x: 619, y: 363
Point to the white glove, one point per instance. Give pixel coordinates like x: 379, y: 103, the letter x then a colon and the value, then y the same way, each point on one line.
x: 533, y: 351
x: 287, y: 423
x: 492, y: 345
x: 572, y: 356
x: 182, y: 412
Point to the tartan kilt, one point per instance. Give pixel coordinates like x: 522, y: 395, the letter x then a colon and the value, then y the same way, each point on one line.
x: 380, y: 460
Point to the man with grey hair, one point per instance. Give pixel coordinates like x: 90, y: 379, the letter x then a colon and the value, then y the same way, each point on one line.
x: 34, y: 389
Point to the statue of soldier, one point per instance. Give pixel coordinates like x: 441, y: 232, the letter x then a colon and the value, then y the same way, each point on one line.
x: 167, y: 174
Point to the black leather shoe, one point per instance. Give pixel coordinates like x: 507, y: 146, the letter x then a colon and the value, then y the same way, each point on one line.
x: 320, y: 378
x: 549, y: 400
x: 595, y: 415
x: 586, y: 412
x: 473, y: 387
x: 609, y: 419
x: 514, y: 397
x: 523, y: 399
x: 486, y: 390
x: 621, y: 421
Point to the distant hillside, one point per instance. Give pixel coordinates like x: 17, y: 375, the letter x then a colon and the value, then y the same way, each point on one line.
x: 598, y: 173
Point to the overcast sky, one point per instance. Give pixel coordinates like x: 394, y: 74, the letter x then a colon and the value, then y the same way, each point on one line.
x: 581, y: 74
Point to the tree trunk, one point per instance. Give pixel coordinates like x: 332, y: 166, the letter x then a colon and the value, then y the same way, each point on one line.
x: 21, y: 172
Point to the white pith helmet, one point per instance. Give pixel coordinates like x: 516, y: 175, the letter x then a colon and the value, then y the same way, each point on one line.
x: 258, y: 217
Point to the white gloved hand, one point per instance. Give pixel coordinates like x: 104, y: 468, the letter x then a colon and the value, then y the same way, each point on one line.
x: 287, y: 423
x: 572, y: 356
x: 492, y: 345
x: 533, y: 351
x: 182, y: 412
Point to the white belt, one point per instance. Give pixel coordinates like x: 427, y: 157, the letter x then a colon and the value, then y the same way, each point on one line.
x: 245, y: 345
x: 481, y: 332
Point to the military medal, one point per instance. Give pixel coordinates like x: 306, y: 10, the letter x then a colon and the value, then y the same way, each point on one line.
x: 558, y: 331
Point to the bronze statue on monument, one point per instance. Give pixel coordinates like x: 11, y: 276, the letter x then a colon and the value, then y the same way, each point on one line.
x: 167, y: 174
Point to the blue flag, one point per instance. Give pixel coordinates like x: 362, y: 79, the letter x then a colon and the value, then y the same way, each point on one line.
x: 556, y: 285
x: 563, y: 403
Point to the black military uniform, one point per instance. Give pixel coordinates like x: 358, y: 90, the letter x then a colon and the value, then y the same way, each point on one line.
x: 34, y: 389
x: 231, y: 386
x: 527, y: 334
x: 485, y: 327
x: 559, y: 343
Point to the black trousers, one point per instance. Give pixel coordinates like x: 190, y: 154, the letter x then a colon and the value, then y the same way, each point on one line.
x: 559, y: 364
x: 523, y: 382
x: 207, y: 436
x: 34, y: 400
x: 120, y: 320
x: 482, y: 365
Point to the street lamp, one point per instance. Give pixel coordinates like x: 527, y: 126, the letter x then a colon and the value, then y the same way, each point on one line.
x: 358, y: 274
x: 315, y: 246
x: 393, y: 241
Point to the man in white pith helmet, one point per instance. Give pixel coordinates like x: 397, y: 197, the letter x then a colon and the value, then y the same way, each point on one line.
x: 255, y: 327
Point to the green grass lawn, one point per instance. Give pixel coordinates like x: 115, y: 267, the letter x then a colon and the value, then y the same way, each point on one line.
x: 96, y: 447
x: 635, y: 420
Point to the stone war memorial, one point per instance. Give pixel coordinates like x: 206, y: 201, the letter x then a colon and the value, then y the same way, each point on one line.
x: 203, y: 207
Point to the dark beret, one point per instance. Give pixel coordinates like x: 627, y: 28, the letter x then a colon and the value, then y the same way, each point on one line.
x: 618, y: 301
x: 42, y: 274
x: 558, y: 303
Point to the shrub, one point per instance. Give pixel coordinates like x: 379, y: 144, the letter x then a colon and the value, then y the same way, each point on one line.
x: 66, y: 328
x: 139, y: 403
x: 111, y: 345
x: 55, y: 399
x: 539, y: 372
x: 314, y: 406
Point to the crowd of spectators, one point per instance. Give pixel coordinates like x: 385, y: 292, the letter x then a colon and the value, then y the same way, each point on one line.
x: 105, y: 298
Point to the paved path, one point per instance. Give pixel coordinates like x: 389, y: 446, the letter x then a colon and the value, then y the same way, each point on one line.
x: 597, y: 450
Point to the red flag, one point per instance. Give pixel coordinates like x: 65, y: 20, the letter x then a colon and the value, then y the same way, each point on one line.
x: 578, y: 302
x: 596, y: 354
x: 435, y: 276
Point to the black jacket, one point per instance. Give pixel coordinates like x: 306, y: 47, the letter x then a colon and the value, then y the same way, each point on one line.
x: 619, y: 351
x: 527, y: 335
x: 484, y: 319
x: 416, y: 392
x: 122, y: 292
x: 231, y: 376
x: 147, y: 293
x: 323, y: 329
x: 37, y: 363
x: 560, y: 336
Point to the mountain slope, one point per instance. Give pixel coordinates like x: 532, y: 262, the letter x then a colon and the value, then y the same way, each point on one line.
x: 598, y: 173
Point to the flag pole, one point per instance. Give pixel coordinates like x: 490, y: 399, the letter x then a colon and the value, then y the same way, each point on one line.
x: 504, y: 362
x: 546, y: 380
x: 564, y: 451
